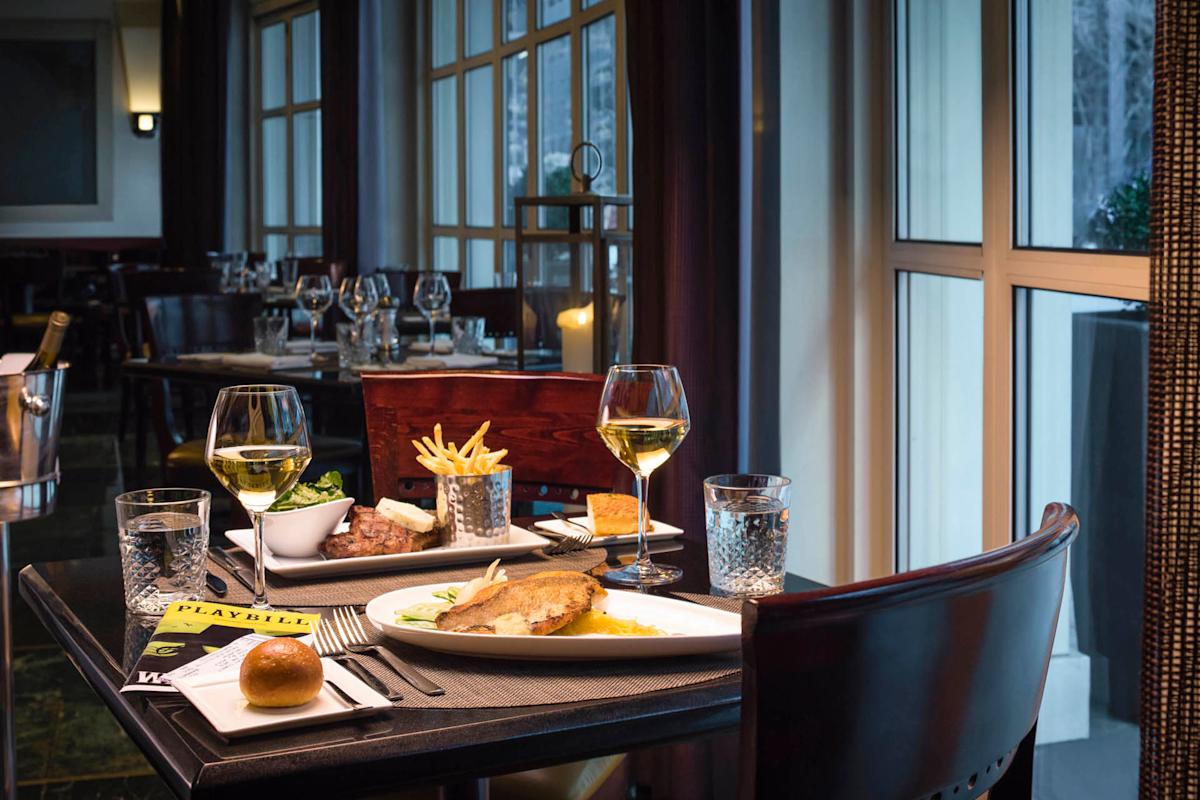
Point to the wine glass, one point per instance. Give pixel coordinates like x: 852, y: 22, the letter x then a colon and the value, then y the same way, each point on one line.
x: 643, y: 417
x: 431, y: 295
x: 314, y: 294
x: 358, y: 297
x: 257, y: 447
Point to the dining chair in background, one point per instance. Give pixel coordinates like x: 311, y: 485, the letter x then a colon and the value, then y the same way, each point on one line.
x: 182, y: 324
x: 919, y: 686
x: 546, y: 421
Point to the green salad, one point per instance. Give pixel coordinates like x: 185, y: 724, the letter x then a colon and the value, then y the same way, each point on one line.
x: 328, y: 487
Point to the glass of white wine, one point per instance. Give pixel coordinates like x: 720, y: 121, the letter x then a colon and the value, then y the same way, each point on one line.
x: 258, y: 447
x: 643, y: 419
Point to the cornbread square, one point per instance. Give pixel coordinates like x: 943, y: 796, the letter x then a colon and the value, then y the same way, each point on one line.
x: 613, y: 514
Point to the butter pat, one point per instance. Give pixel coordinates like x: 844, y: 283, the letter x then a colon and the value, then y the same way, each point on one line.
x: 406, y: 514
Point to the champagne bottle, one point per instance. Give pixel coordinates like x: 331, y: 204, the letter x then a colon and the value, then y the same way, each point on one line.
x: 47, y: 353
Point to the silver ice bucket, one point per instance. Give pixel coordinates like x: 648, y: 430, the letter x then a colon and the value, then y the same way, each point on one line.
x: 31, y: 405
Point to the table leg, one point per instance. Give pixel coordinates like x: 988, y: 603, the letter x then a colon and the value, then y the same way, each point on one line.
x: 8, y: 741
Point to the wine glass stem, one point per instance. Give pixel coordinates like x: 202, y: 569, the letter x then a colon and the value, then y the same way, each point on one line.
x: 643, y: 496
x: 431, y: 334
x: 260, y: 572
x: 312, y: 335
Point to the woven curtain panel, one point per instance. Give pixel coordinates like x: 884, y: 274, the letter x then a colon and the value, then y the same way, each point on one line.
x: 1170, y: 758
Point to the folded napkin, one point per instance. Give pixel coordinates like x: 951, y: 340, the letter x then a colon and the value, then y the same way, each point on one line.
x: 443, y: 347
x: 301, y: 346
x: 451, y: 361
x: 258, y: 360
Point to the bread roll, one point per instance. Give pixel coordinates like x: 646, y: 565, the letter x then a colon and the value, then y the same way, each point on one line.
x: 281, y: 672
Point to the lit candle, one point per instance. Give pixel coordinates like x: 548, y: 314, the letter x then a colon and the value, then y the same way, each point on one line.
x: 576, y: 325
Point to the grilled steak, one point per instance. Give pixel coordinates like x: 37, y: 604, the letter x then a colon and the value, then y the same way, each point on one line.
x: 539, y: 604
x: 372, y: 534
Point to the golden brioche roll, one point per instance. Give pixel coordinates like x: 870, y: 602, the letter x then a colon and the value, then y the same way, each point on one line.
x: 281, y: 672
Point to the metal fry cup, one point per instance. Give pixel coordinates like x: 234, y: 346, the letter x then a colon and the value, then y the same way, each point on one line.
x: 474, y: 509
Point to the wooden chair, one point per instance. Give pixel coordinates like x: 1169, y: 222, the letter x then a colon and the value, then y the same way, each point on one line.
x: 545, y: 420
x: 923, y: 685
x: 216, y: 323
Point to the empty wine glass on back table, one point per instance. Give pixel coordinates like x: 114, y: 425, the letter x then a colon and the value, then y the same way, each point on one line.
x: 358, y: 297
x: 431, y: 295
x: 258, y: 447
x: 643, y: 418
x: 314, y: 294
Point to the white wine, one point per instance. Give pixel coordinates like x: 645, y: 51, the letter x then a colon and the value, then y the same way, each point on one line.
x: 257, y: 474
x: 643, y: 443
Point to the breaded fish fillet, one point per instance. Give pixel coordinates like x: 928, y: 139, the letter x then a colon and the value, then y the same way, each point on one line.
x: 538, y: 605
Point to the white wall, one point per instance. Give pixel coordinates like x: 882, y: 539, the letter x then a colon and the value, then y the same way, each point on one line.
x: 136, y: 200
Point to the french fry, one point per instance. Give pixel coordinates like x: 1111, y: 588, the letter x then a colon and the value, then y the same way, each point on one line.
x: 421, y: 449
x: 446, y: 458
x: 475, y: 437
x: 437, y: 436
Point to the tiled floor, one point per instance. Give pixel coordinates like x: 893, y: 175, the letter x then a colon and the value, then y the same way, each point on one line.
x: 68, y: 744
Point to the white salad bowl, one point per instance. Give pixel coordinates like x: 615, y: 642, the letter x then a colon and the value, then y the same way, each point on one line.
x: 297, y: 533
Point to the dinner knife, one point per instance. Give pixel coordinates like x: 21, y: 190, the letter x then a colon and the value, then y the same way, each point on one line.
x: 226, y: 560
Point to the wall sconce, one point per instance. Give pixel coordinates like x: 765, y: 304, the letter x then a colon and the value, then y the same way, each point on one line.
x: 145, y: 124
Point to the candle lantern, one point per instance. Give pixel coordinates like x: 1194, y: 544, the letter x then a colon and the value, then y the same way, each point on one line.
x: 574, y: 263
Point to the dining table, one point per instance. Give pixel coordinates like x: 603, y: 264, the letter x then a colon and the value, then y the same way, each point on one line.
x: 81, y: 604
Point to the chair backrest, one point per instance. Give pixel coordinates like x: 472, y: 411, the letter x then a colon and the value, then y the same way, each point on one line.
x: 498, y: 307
x: 918, y: 685
x: 334, y: 268
x: 545, y: 420
x: 200, y: 323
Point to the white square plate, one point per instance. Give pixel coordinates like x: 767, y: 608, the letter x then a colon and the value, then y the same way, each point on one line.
x: 661, y: 531
x: 219, y: 698
x: 520, y: 542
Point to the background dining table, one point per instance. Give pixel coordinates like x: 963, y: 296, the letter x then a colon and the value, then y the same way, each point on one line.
x: 81, y: 603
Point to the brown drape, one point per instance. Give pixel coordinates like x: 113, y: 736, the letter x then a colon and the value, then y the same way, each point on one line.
x: 684, y: 75
x: 1170, y: 756
x: 339, y: 130
x: 195, y: 44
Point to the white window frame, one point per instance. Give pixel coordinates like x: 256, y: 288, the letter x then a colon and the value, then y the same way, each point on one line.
x: 999, y: 264
x: 573, y: 25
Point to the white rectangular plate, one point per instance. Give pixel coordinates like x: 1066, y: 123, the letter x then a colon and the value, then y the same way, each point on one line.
x: 690, y: 629
x: 219, y: 698
x: 520, y: 542
x: 661, y: 531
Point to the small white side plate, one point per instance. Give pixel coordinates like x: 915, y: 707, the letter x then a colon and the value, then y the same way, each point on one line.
x: 219, y: 698
x: 661, y: 531
x: 688, y: 629
x: 520, y: 542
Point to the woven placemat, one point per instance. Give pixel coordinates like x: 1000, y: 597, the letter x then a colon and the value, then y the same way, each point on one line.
x: 356, y: 590
x: 498, y: 683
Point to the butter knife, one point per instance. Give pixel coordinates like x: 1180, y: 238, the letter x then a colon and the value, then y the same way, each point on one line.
x: 226, y: 560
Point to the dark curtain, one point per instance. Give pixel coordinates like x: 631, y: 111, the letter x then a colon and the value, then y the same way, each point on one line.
x: 684, y: 75
x: 1170, y: 755
x: 339, y: 131
x: 195, y: 47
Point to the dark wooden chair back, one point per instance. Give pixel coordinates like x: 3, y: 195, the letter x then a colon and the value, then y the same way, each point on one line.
x: 200, y: 323
x: 923, y: 685
x: 498, y: 307
x: 545, y: 420
x: 133, y: 283
x: 334, y: 268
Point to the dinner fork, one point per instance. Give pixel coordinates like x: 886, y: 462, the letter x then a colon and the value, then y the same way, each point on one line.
x: 354, y: 638
x: 569, y: 540
x: 328, y: 646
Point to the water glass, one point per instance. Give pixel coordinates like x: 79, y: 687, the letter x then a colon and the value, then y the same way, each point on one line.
x: 270, y: 335
x: 289, y: 271
x: 347, y: 341
x: 468, y: 334
x: 164, y: 543
x: 746, y: 517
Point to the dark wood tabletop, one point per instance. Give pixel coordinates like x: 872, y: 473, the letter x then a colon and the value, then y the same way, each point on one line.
x: 81, y: 603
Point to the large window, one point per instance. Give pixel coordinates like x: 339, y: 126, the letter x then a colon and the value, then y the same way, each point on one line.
x: 513, y: 86
x: 1022, y: 148
x: 287, y: 132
